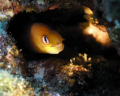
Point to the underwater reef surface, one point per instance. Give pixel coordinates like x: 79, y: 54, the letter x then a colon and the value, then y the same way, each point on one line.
x: 90, y: 69
x: 108, y: 13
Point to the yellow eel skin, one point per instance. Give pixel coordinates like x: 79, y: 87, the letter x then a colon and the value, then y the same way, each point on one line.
x: 45, y: 40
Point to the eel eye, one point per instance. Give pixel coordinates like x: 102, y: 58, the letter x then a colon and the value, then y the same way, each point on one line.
x: 45, y: 40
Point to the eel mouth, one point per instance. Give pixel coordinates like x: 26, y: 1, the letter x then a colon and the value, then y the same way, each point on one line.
x: 58, y: 45
x: 56, y: 48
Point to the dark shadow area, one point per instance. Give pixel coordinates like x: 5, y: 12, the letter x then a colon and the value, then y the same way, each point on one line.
x: 64, y: 21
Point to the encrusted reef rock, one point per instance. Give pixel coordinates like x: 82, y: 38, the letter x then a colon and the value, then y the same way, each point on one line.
x: 108, y: 14
x: 58, y: 75
x: 93, y: 72
x: 14, y: 85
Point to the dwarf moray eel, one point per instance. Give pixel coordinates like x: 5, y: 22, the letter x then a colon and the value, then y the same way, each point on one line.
x: 45, y: 40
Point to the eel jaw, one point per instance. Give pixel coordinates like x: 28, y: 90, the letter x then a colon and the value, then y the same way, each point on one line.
x: 55, y: 49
